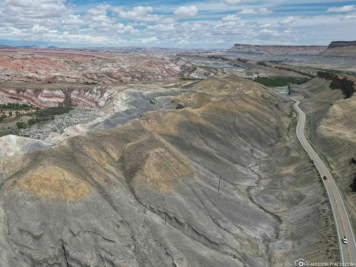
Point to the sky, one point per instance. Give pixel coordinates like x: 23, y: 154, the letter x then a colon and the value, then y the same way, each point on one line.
x: 209, y: 24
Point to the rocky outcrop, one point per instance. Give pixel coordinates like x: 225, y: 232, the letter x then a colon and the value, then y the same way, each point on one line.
x: 278, y: 49
x: 304, y: 72
x: 67, y: 96
x: 341, y: 49
x: 11, y: 145
x: 344, y: 83
x: 342, y: 44
x: 353, y: 185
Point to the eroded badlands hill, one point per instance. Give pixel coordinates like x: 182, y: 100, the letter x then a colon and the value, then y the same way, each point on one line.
x: 221, y: 182
x: 332, y: 110
x: 58, y: 65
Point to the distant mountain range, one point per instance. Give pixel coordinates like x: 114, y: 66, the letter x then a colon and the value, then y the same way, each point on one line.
x: 26, y: 46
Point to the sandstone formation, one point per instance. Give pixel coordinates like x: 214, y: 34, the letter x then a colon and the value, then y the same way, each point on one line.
x: 337, y: 57
x: 47, y: 96
x: 341, y: 49
x: 344, y: 83
x: 278, y: 49
x: 342, y: 44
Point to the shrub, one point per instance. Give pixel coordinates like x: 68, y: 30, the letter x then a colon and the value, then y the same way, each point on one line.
x: 280, y: 81
x: 31, y: 122
x: 90, y: 83
x: 21, y: 125
x: 190, y: 79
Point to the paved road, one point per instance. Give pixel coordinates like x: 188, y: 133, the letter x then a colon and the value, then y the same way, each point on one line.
x: 347, y: 252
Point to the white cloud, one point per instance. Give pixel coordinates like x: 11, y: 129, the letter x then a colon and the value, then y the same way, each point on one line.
x: 149, y: 40
x: 55, y: 21
x: 286, y: 21
x: 248, y: 11
x: 41, y: 33
x: 99, y: 10
x: 36, y: 8
x: 342, y: 9
x: 122, y: 28
x: 269, y: 33
x: 99, y: 14
x: 25, y: 14
x: 186, y: 11
x: 260, y: 11
x: 232, y: 2
x: 350, y: 16
x: 219, y: 41
x: 73, y: 20
x: 139, y: 13
x: 231, y: 18
x: 39, y: 29
x: 264, y: 11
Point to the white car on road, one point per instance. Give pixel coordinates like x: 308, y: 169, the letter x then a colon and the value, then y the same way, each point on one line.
x: 344, y: 240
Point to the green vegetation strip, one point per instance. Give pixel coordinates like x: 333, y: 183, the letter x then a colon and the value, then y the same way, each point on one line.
x: 90, y: 83
x: 42, y: 115
x: 280, y: 81
x: 39, y: 115
x: 16, y: 106
x: 190, y: 79
x: 350, y: 73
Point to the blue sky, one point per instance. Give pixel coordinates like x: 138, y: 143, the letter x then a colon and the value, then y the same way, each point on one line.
x: 175, y: 24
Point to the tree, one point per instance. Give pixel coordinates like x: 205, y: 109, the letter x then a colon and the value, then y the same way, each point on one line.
x: 353, y: 185
x: 31, y: 122
x: 3, y: 116
x: 10, y: 113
